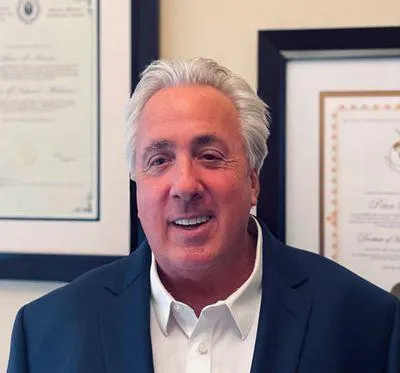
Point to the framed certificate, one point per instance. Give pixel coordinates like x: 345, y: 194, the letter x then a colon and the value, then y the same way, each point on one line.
x: 360, y: 178
x: 50, y: 111
x: 316, y: 188
x: 65, y: 77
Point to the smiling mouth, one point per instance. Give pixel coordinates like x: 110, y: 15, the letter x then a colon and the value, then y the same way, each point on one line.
x: 191, y: 223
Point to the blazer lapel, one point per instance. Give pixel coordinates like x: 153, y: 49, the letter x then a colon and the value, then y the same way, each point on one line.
x: 125, y: 318
x: 284, y: 313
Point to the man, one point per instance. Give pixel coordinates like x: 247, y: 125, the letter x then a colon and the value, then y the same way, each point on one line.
x: 211, y: 290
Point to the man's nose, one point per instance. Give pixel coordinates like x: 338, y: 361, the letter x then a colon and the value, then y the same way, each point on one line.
x: 186, y: 184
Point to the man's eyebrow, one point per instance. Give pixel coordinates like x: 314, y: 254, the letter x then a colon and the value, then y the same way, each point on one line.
x: 208, y: 139
x: 155, y: 146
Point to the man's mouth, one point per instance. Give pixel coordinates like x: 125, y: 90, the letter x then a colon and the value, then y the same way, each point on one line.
x: 192, y: 222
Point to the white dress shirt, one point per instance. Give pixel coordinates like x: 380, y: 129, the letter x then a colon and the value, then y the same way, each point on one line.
x: 221, y: 340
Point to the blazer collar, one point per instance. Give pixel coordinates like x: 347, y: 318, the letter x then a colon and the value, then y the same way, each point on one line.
x: 285, y: 309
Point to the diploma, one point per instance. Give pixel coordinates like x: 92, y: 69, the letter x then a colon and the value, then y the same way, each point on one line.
x: 360, y: 183
x: 49, y: 123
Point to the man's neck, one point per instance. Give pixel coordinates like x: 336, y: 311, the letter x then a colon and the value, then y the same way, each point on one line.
x: 207, y: 287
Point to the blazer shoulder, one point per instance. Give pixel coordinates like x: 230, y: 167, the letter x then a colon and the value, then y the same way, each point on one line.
x: 336, y: 280
x: 324, y: 277
x: 90, y: 287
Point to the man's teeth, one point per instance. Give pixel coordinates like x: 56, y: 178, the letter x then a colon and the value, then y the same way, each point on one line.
x: 194, y: 221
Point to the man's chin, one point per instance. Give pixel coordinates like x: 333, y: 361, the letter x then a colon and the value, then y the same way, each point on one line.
x: 195, y: 259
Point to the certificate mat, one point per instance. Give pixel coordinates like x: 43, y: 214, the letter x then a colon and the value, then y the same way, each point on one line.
x: 360, y: 182
x: 64, y: 127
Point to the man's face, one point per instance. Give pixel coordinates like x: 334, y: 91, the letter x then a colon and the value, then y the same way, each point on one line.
x: 194, y: 185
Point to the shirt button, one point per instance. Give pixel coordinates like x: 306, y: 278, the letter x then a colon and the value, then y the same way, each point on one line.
x: 177, y: 307
x: 202, y: 348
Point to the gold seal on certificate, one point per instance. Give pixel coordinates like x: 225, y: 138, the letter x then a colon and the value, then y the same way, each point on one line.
x: 360, y: 183
x: 49, y: 104
x: 393, y: 157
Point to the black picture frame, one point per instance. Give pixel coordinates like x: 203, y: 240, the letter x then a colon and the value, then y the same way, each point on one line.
x: 144, y: 49
x: 273, y: 48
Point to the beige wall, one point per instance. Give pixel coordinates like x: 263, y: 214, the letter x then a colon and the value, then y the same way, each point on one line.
x: 225, y: 30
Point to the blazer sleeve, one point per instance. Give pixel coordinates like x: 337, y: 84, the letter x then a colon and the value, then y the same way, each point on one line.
x: 18, y: 362
x: 393, y: 362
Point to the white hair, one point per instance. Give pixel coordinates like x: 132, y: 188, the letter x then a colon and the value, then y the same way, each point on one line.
x: 253, y: 112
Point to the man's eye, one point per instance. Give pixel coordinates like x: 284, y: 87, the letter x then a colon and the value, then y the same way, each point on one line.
x: 158, y: 161
x: 211, y: 156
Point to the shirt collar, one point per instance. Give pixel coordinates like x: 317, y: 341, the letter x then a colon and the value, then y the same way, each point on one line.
x: 160, y: 298
x: 243, y: 304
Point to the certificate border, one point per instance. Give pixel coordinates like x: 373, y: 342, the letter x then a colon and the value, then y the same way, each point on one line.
x: 274, y: 47
x: 322, y: 157
x: 43, y: 267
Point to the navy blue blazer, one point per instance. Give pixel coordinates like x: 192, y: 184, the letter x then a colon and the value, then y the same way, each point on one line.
x: 315, y: 317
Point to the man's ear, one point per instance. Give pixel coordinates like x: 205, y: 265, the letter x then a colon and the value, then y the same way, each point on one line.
x: 255, y: 186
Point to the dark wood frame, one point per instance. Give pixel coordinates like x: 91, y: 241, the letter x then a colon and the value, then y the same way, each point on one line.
x: 272, y: 61
x: 144, y: 49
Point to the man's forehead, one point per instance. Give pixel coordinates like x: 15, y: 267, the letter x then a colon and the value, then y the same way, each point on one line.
x: 186, y: 115
x: 178, y: 100
x: 185, y: 90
